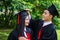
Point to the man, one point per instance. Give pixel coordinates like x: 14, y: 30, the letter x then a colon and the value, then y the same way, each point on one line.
x: 44, y: 29
x: 47, y: 30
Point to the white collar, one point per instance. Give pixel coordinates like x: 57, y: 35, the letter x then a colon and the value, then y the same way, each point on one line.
x: 47, y: 23
x: 24, y: 28
x: 25, y: 31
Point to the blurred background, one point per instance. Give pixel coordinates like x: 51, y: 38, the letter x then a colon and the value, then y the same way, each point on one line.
x: 9, y: 9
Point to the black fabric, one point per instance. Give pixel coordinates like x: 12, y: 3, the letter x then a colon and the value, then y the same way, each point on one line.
x: 38, y: 27
x: 49, y: 33
x: 30, y: 32
x: 53, y: 11
x: 34, y: 25
x: 14, y: 34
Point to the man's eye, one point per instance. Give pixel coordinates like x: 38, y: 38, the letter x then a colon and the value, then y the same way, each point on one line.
x: 45, y: 13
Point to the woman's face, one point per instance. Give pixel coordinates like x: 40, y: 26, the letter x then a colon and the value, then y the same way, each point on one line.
x: 27, y: 21
x: 46, y: 16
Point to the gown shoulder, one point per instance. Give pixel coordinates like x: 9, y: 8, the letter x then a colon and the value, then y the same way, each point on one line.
x: 49, y: 33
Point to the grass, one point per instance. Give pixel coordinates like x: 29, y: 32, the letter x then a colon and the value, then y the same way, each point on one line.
x: 58, y: 34
x: 4, y: 34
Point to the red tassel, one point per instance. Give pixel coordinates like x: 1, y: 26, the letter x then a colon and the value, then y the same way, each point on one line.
x: 18, y: 19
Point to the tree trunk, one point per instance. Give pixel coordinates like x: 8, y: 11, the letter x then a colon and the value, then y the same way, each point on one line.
x: 6, y: 10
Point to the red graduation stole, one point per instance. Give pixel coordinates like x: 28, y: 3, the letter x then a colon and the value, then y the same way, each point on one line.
x: 39, y: 33
x: 28, y: 36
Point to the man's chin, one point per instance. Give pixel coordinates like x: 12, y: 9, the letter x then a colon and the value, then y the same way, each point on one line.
x: 42, y: 19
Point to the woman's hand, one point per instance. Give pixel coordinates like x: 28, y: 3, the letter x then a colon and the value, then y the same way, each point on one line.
x: 22, y: 38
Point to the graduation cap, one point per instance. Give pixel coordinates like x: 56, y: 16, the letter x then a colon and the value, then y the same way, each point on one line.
x: 53, y: 11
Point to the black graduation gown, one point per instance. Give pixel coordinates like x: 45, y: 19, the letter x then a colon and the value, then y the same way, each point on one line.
x: 34, y: 25
x: 48, y: 32
x: 14, y: 34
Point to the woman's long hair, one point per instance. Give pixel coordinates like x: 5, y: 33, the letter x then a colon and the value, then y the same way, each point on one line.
x: 20, y: 27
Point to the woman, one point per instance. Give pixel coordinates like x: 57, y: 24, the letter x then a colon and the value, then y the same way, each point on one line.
x: 21, y: 30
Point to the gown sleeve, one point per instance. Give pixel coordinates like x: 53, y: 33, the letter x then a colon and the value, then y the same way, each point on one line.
x: 13, y: 36
x: 34, y: 23
x: 10, y: 37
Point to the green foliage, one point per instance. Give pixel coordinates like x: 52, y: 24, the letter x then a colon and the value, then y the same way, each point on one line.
x: 36, y: 8
x: 8, y: 21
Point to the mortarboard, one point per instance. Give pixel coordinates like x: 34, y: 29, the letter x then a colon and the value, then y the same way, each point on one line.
x: 53, y: 11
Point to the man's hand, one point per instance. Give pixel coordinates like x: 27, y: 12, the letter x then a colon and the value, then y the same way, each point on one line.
x: 22, y: 38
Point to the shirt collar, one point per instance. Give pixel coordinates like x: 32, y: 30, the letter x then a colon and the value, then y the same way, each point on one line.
x: 47, y: 23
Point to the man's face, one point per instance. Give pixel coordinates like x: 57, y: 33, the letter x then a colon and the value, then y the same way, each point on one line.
x: 46, y: 16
